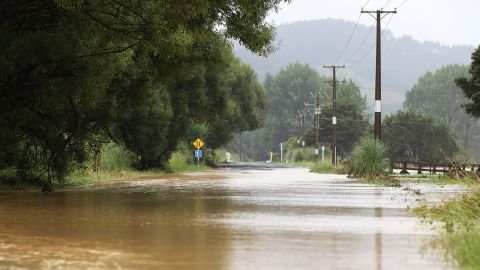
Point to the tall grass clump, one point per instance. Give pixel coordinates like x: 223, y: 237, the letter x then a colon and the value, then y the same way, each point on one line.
x: 368, y: 159
x: 179, y: 161
x: 113, y: 162
x: 461, y: 224
x: 183, y: 160
x: 325, y: 167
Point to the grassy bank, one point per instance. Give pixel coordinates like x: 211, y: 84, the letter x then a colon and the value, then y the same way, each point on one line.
x: 115, y: 164
x: 325, y: 167
x: 439, y: 179
x: 460, y: 236
x: 180, y: 162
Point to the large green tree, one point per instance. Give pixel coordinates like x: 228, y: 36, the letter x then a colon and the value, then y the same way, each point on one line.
x: 70, y: 68
x: 438, y: 95
x: 287, y: 93
x: 413, y: 136
x: 471, y: 86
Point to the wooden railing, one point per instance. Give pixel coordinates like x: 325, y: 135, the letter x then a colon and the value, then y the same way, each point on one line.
x: 420, y: 167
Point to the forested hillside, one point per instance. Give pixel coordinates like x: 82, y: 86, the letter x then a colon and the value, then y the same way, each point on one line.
x: 320, y: 42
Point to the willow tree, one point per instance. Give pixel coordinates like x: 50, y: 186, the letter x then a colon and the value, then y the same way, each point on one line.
x: 61, y: 58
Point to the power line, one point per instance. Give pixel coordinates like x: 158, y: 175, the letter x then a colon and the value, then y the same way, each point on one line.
x: 366, y: 37
x: 370, y: 50
x: 360, y: 46
x: 351, y: 34
x: 387, y: 4
x: 368, y: 1
x: 349, y: 39
x: 401, y: 5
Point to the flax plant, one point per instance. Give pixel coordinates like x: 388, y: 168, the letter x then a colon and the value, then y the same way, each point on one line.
x: 368, y: 159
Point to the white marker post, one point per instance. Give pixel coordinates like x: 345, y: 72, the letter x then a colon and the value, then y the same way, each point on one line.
x: 281, y: 152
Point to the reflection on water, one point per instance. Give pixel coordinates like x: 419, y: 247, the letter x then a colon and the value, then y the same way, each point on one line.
x: 378, y: 241
x: 227, y: 219
x: 110, y: 228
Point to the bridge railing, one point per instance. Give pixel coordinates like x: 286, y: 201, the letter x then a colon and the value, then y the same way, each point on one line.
x: 431, y: 167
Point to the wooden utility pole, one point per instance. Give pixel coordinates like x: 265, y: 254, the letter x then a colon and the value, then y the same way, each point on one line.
x: 378, y: 74
x: 334, y: 113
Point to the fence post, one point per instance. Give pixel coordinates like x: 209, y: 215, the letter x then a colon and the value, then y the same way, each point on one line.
x: 419, y: 168
x: 404, y: 170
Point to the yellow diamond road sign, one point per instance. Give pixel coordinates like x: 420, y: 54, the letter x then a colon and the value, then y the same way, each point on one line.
x: 198, y: 143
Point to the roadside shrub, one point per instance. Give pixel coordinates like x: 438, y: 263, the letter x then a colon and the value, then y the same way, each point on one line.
x: 116, y: 157
x: 368, y: 159
x: 300, y: 154
x: 297, y: 155
x: 178, y: 161
x: 325, y: 167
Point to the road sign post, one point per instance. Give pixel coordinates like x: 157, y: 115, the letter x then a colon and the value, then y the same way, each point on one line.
x: 198, y: 155
x: 198, y: 143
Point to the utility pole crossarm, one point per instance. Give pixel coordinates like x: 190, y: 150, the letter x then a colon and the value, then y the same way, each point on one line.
x: 333, y: 66
x: 380, y: 11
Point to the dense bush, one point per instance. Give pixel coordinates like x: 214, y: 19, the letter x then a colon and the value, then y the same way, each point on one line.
x: 368, y: 159
x: 116, y: 157
x: 300, y: 154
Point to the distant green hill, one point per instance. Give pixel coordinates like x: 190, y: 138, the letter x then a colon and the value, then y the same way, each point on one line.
x: 320, y: 42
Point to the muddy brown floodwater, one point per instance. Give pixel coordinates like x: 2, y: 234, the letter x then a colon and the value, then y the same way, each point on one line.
x: 237, y: 218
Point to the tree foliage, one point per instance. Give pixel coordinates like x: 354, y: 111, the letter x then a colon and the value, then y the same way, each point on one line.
x: 412, y: 136
x: 76, y: 73
x: 288, y: 91
x: 352, y: 120
x: 291, y: 91
x: 471, y: 86
x: 436, y: 94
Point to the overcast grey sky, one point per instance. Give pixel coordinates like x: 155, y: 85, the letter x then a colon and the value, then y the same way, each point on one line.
x: 450, y: 22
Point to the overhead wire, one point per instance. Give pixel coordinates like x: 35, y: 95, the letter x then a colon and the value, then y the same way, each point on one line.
x: 364, y: 5
x: 370, y: 50
x: 351, y: 34
x: 360, y: 46
x: 349, y: 39
x: 387, y: 4
x: 368, y: 34
x: 401, y: 5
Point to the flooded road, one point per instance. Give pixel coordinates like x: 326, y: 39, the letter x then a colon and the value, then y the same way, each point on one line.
x: 232, y: 218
